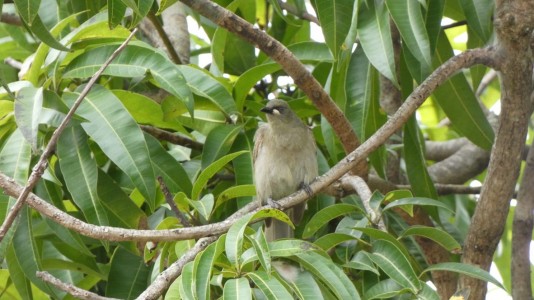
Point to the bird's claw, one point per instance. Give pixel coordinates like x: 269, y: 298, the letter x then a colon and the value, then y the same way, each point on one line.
x: 306, y: 188
x: 273, y: 203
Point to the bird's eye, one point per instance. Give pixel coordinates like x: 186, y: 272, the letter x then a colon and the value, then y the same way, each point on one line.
x: 280, y: 108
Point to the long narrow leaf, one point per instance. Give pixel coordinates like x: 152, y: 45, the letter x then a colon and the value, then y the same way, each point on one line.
x: 114, y: 130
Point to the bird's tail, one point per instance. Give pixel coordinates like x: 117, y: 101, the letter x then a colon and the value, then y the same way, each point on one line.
x: 275, y: 229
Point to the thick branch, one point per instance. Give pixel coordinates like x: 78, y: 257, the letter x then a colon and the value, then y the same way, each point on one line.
x: 522, y: 234
x: 513, y: 23
x: 69, y: 288
x: 291, y: 65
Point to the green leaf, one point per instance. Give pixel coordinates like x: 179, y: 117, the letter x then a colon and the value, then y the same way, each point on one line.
x: 235, y: 192
x: 329, y: 274
x: 306, y: 287
x: 116, y: 11
x: 237, y: 289
x: 280, y: 248
x: 80, y: 173
x: 428, y: 293
x: 271, y: 287
x: 122, y: 211
x: 331, y: 240
x: 145, y: 110
x: 465, y: 269
x: 134, y: 61
x: 437, y: 235
x: 28, y: 107
x: 479, y: 14
x: 260, y: 246
x: 384, y: 289
x: 204, y: 84
x: 120, y: 138
x: 409, y: 20
x: 28, y: 9
x: 362, y: 261
x: 187, y: 284
x: 458, y: 101
x: 375, y: 38
x: 203, y: 266
x: 335, y: 17
x: 218, y: 143
x: 395, y: 264
x: 417, y: 201
x: 128, y: 275
x: 39, y: 29
x: 173, y: 173
x: 211, y: 170
x: 327, y: 214
x: 357, y: 87
x: 234, y: 237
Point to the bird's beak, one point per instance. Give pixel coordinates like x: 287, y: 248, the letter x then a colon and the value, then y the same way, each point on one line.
x: 270, y: 111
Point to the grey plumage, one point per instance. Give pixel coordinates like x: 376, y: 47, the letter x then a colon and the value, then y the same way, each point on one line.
x: 284, y: 159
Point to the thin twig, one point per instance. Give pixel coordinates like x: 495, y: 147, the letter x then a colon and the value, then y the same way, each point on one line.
x: 41, y: 165
x: 170, y: 201
x: 164, y: 38
x: 303, y: 15
x: 172, y: 138
x: 165, y: 278
x: 362, y: 189
x: 69, y: 288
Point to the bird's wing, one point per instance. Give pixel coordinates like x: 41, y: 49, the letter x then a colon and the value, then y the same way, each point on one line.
x: 258, y: 141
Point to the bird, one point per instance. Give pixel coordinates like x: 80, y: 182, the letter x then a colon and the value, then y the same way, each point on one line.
x: 284, y: 160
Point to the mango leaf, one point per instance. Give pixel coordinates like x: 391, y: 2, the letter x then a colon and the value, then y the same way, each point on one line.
x: 187, y: 284
x: 136, y: 60
x: 418, y: 201
x: 235, y: 192
x: 375, y: 38
x: 280, y: 248
x: 120, y: 138
x: 395, y: 264
x: 204, y: 84
x: 408, y: 17
x: 329, y: 274
x: 122, y: 211
x: 479, y: 14
x: 210, y: 171
x: 260, y: 246
x: 385, y: 289
x: 128, y: 275
x: 203, y: 266
x: 465, y: 269
x: 28, y: 9
x: 80, y: 172
x: 458, y: 101
x: 237, y: 289
x: 437, y: 235
x: 270, y: 286
x: 325, y: 215
x: 306, y: 287
x: 331, y: 240
x: 362, y: 261
x: 218, y: 143
x: 335, y: 17
x: 28, y: 107
x: 116, y: 11
x: 234, y: 237
x: 165, y: 165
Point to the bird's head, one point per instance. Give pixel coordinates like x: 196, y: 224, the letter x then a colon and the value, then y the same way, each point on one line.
x: 278, y: 112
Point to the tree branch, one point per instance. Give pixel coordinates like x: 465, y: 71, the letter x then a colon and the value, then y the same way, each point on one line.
x: 165, y: 278
x: 40, y: 167
x: 69, y: 288
x: 172, y: 137
x: 513, y: 25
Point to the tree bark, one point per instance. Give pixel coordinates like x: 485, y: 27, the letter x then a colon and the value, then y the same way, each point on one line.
x: 513, y: 26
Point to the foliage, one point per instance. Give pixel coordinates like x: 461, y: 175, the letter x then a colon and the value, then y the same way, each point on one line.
x: 105, y: 167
